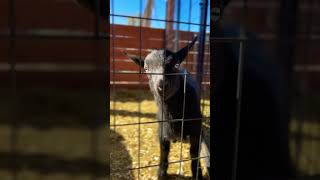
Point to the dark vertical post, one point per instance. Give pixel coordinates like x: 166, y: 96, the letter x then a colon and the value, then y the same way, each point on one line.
x: 105, y: 116
x: 285, y: 53
x: 202, y: 39
x: 12, y: 62
x: 94, y: 132
x: 307, y: 40
x: 139, y: 99
x: 241, y: 62
x: 286, y: 35
x: 222, y: 111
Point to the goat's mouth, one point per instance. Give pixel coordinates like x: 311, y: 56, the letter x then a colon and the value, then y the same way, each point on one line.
x: 164, y: 93
x: 160, y: 90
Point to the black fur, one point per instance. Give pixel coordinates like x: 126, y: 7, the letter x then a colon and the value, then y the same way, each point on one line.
x: 173, y: 109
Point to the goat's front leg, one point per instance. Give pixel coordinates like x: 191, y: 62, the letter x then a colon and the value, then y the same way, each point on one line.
x: 194, y: 153
x: 164, y: 153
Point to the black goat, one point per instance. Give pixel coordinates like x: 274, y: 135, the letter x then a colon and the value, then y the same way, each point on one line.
x: 177, y: 98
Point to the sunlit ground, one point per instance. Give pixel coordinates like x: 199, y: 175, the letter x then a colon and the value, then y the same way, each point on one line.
x: 54, y: 139
x: 305, y: 133
x: 125, y: 107
x: 305, y: 146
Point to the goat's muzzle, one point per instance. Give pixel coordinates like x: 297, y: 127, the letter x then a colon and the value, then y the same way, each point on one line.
x: 160, y: 90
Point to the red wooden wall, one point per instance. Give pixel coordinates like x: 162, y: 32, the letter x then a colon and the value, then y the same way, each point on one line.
x: 57, y: 59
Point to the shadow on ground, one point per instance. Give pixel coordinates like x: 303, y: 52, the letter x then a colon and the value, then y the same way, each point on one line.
x: 177, y: 177
x: 52, y: 134
x: 119, y: 168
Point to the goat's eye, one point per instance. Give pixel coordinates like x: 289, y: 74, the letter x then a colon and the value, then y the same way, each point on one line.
x: 145, y: 68
x: 176, y: 66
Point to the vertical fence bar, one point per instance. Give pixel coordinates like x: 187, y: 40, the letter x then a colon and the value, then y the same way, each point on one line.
x: 203, y: 97
x: 304, y: 75
x: 182, y: 123
x: 168, y: 27
x: 238, y: 113
x: 113, y: 67
x: 241, y: 62
x: 139, y: 99
x: 199, y: 149
x: 307, y: 56
x: 202, y: 39
x: 13, y: 79
x: 184, y: 83
x: 201, y: 50
x: 106, y: 94
x: 113, y: 34
x: 96, y: 44
x: 285, y: 52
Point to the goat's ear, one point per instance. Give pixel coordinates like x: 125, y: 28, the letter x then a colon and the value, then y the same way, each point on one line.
x: 182, y: 53
x: 138, y: 60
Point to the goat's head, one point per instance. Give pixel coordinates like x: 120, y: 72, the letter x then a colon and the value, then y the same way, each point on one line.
x: 161, y: 67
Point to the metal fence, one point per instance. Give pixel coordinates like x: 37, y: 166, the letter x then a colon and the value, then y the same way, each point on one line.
x: 139, y: 41
x: 290, y: 36
x: 20, y: 71
x: 37, y: 88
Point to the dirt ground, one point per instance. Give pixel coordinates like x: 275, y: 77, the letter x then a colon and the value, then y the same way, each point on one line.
x: 57, y: 146
x: 131, y: 108
x: 54, y: 137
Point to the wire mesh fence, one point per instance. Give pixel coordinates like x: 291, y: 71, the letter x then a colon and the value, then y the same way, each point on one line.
x: 279, y: 25
x: 45, y: 83
x: 133, y: 110
x: 55, y: 55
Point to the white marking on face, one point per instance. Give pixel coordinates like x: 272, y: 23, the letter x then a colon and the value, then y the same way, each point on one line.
x: 154, y: 68
x: 154, y: 65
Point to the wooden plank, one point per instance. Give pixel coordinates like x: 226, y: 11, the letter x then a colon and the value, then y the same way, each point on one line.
x: 124, y: 66
x: 134, y: 31
x: 4, y: 11
x: 144, y: 44
x: 73, y: 49
x: 57, y: 79
x: 136, y: 51
x: 118, y: 54
x: 185, y: 35
x: 53, y: 14
x: 4, y: 50
x: 128, y: 77
x: 126, y: 85
x: 134, y: 42
x: 127, y: 31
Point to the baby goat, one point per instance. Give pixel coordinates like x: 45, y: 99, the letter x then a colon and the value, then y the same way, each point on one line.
x: 177, y: 97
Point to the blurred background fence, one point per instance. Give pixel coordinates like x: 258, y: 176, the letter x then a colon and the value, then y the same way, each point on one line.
x: 52, y: 91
